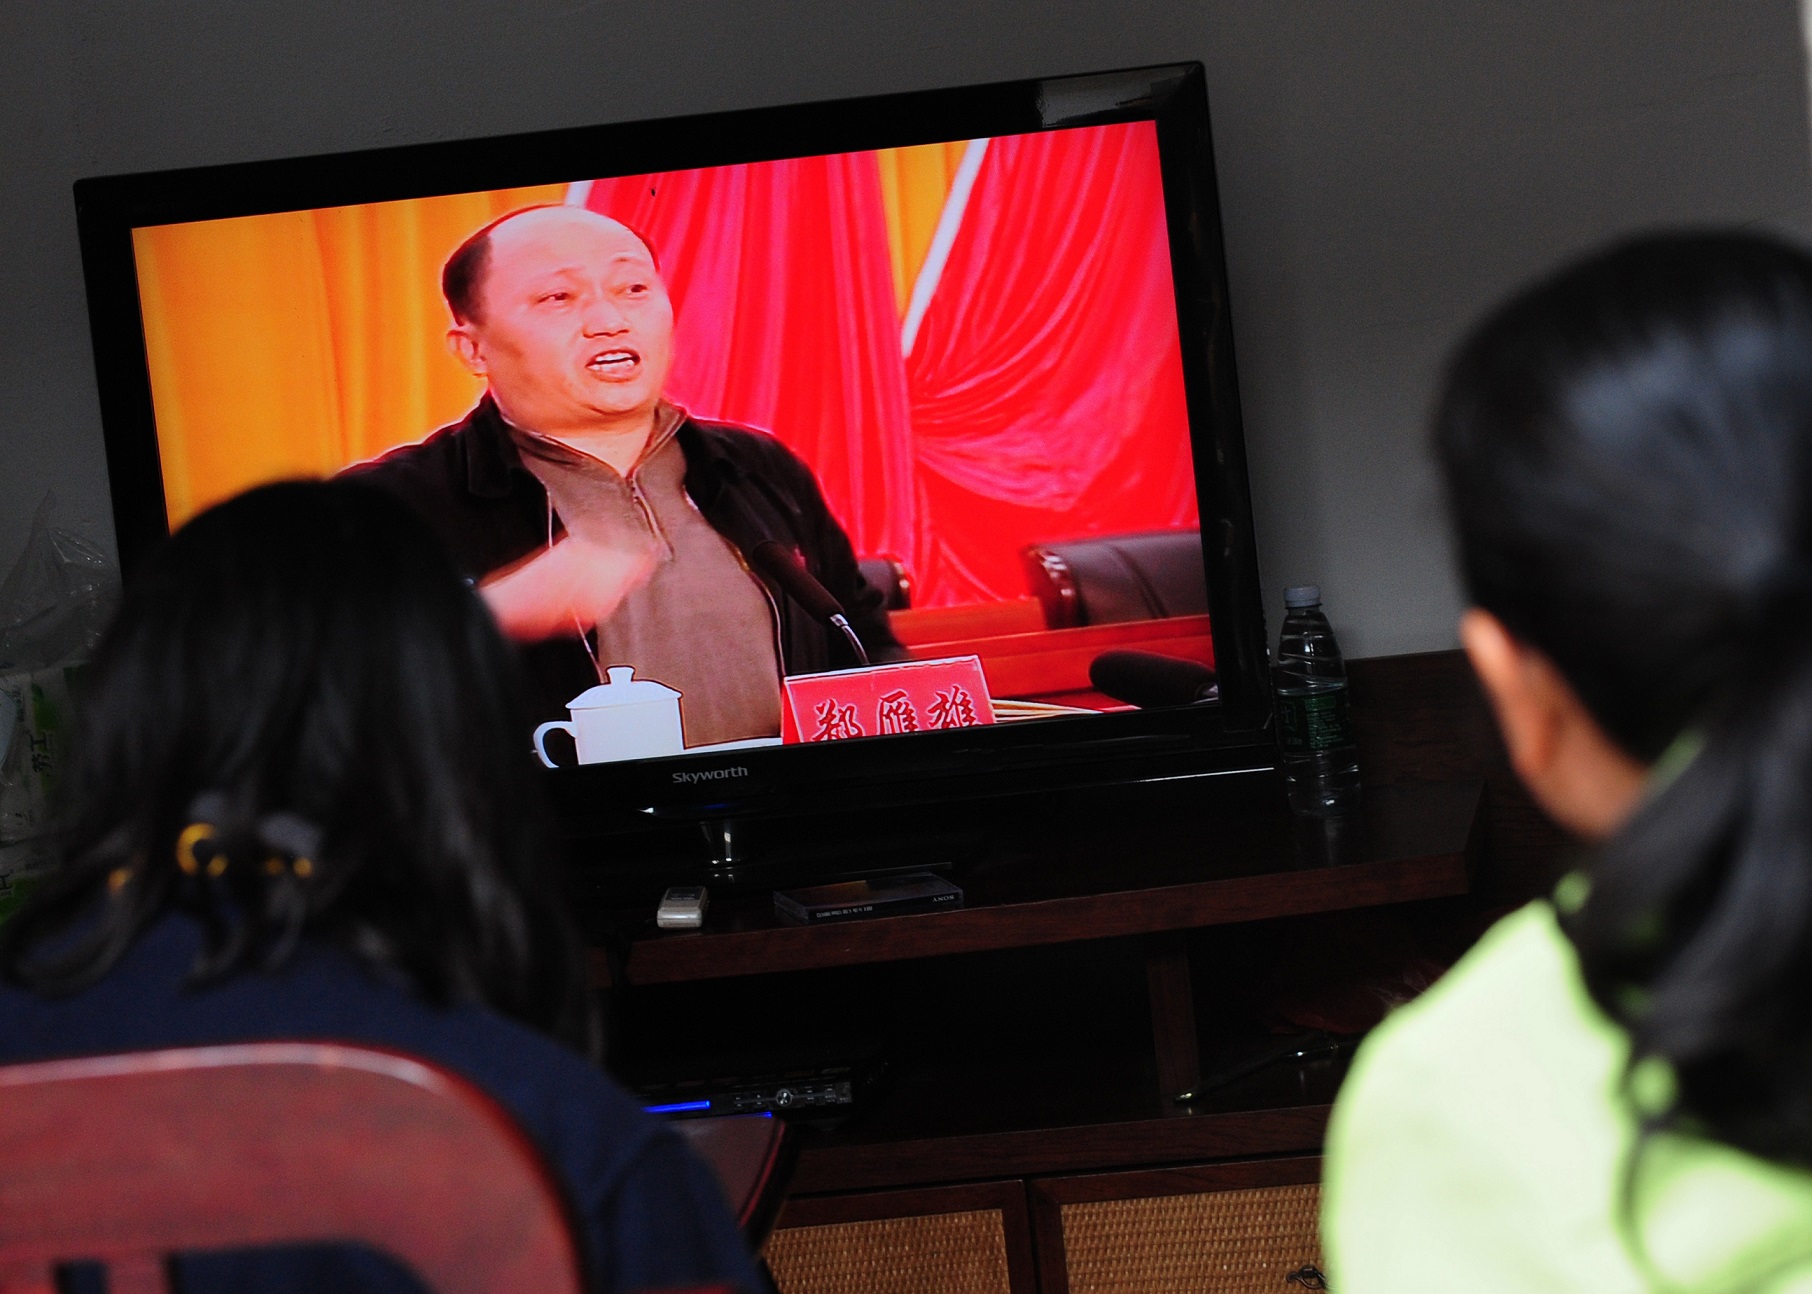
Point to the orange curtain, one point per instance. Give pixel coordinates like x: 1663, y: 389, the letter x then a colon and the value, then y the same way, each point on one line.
x: 914, y: 183
x: 293, y: 344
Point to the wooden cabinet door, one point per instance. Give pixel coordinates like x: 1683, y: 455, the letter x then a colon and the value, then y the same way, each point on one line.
x: 1250, y: 1228
x: 942, y: 1240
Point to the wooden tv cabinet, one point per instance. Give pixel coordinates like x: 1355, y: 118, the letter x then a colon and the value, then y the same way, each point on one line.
x: 1026, y: 1134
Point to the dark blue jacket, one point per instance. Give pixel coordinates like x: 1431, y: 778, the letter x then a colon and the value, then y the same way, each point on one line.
x: 651, y: 1215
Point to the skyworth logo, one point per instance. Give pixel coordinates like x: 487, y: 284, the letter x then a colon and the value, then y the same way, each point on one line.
x: 710, y: 775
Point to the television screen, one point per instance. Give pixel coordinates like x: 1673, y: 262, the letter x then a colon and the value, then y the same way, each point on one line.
x: 818, y: 446
x: 935, y: 358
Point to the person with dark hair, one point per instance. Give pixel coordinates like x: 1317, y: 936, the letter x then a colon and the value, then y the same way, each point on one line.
x: 605, y: 525
x: 300, y: 807
x: 1612, y: 1091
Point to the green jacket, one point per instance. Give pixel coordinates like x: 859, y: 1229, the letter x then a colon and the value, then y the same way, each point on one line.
x: 1480, y: 1143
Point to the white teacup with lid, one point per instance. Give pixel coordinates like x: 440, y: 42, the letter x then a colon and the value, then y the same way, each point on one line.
x: 625, y: 718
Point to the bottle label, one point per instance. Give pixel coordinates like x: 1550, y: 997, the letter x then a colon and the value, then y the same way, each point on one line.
x: 1309, y: 721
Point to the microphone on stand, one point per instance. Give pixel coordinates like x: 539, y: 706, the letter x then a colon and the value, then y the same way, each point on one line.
x: 774, y: 560
x: 1146, y: 679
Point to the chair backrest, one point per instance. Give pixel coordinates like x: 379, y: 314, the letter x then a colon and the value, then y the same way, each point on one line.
x: 889, y: 576
x: 1112, y: 579
x: 128, y: 1159
x: 753, y: 1156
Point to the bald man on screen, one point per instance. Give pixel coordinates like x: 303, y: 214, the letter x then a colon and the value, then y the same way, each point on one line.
x: 604, y: 525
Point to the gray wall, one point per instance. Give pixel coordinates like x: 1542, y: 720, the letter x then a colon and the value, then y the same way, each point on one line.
x: 1387, y: 169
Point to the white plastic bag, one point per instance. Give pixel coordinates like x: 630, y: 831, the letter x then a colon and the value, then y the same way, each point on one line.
x: 39, y: 706
x: 54, y: 603
x: 57, y: 598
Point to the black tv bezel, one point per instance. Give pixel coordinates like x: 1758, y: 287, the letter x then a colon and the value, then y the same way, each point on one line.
x: 1229, y: 736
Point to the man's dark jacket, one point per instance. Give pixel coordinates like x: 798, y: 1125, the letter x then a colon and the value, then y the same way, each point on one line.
x: 469, y: 482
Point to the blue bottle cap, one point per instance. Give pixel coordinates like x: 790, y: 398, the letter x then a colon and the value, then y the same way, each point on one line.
x: 1298, y: 596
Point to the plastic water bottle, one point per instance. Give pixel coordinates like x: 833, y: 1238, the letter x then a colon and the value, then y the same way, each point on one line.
x: 1314, y: 725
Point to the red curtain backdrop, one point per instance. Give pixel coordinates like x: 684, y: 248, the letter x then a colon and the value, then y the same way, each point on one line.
x: 782, y: 288
x: 1046, y: 378
x: 1043, y: 399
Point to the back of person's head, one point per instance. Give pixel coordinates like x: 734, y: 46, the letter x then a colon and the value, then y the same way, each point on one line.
x: 1627, y: 448
x: 304, y: 723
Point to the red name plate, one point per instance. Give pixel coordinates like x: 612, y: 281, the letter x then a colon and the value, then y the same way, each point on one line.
x: 913, y: 696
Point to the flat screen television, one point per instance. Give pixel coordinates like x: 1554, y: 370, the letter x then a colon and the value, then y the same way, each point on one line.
x: 727, y: 402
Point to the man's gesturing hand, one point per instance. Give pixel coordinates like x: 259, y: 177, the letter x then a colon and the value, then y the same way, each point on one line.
x: 574, y: 585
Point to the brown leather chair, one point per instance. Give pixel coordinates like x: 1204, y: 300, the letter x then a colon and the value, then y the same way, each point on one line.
x: 1116, y: 578
x: 890, y: 576
x: 128, y: 1159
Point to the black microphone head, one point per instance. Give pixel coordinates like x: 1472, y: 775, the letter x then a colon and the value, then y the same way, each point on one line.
x: 1146, y: 679
x: 776, y: 561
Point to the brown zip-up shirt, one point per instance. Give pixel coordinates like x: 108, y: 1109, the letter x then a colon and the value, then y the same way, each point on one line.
x: 468, y: 481
x: 701, y: 623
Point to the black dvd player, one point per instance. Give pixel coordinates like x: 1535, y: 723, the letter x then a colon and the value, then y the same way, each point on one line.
x: 818, y: 1091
